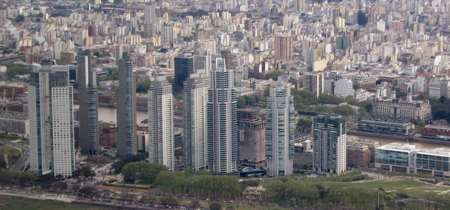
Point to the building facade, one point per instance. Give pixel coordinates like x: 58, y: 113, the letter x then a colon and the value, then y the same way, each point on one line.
x: 401, y: 110
x: 160, y: 124
x: 195, y: 97
x: 280, y: 127
x: 50, y: 104
x: 389, y: 127
x: 358, y: 155
x: 16, y: 123
x: 222, y: 122
x: 252, y: 138
x: 283, y: 47
x: 330, y: 141
x: 395, y: 157
x: 88, y: 103
x: 126, y: 109
x: 184, y: 66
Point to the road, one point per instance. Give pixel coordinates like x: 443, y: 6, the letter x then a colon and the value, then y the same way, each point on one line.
x: 23, y: 160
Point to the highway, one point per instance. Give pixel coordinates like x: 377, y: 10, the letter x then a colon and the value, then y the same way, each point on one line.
x: 23, y: 160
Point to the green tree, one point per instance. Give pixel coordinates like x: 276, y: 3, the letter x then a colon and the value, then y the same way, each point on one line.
x: 304, y: 125
x: 241, y: 102
x: 215, y: 206
x: 171, y: 80
x: 147, y: 172
x: 362, y: 112
x: 264, y: 105
x: 179, y: 96
x: 267, y: 92
x: 274, y: 75
x: 421, y: 124
x: 309, y: 68
x: 19, y: 18
x: 344, y: 110
x: 329, y: 99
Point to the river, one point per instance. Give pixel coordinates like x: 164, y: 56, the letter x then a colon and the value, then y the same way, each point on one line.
x: 106, y: 114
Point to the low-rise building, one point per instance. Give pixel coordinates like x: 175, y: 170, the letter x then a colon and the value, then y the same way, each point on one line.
x: 371, y: 144
x: 384, y: 126
x: 303, y: 155
x: 434, y: 162
x: 435, y: 132
x: 358, y: 155
x: 395, y: 157
x: 14, y: 123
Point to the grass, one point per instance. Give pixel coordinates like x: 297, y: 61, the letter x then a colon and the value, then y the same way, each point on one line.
x: 25, y: 142
x: 10, y: 152
x: 402, y: 185
x: 19, y: 203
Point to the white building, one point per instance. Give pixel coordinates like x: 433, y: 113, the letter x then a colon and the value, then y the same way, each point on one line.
x: 195, y: 97
x: 222, y: 119
x: 160, y: 124
x: 330, y: 141
x: 167, y: 34
x: 280, y: 127
x: 344, y: 87
x: 149, y: 14
x: 50, y: 104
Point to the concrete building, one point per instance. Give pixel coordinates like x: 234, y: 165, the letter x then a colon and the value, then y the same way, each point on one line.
x: 67, y: 57
x: 195, y: 97
x: 303, y: 155
x: 50, y: 104
x: 344, y: 87
x: 330, y: 141
x: 280, y: 127
x: 283, y: 47
x: 252, y: 138
x: 15, y: 123
x: 300, y: 6
x: 314, y: 82
x: 149, y: 14
x: 167, y: 34
x: 435, y: 162
x: 381, y: 126
x: 142, y: 141
x: 401, y: 110
x: 126, y: 109
x: 109, y: 137
x: 88, y: 103
x: 160, y: 124
x: 222, y: 122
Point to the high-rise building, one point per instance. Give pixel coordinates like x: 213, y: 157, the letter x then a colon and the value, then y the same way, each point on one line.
x: 195, y: 97
x: 226, y: 54
x: 202, y: 61
x: 88, y: 103
x: 314, y: 82
x: 160, y: 124
x: 167, y: 34
x: 222, y: 122
x: 126, y: 109
x: 280, y: 127
x: 184, y: 66
x: 300, y: 6
x: 252, y: 138
x: 50, y: 105
x: 149, y: 14
x: 330, y: 141
x: 283, y: 47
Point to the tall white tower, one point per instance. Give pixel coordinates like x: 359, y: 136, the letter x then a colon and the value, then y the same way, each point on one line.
x: 280, y: 127
x: 222, y: 119
x: 50, y: 103
x: 195, y: 97
x: 160, y: 122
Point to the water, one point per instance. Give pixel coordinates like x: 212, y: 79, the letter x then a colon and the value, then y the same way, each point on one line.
x: 106, y: 114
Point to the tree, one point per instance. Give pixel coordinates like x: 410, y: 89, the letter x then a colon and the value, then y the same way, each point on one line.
x: 304, y: 126
x: 19, y: 18
x: 144, y: 86
x: 241, y: 102
x: 363, y: 113
x: 421, y: 124
x: 274, y: 75
x: 344, y: 110
x: 2, y: 163
x: 171, y: 80
x: 267, y: 92
x: 144, y: 171
x: 329, y: 99
x: 88, y: 192
x: 179, y: 96
x: 215, y: 206
x: 194, y: 204
x: 309, y: 68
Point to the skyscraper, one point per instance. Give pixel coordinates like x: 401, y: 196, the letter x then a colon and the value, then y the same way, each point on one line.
x: 160, y: 122
x: 88, y: 101
x: 50, y: 104
x: 280, y: 127
x: 149, y: 14
x: 252, y: 138
x: 195, y: 97
x: 126, y: 109
x: 167, y: 34
x: 184, y: 66
x: 222, y: 122
x: 300, y: 6
x: 330, y: 141
x: 283, y: 47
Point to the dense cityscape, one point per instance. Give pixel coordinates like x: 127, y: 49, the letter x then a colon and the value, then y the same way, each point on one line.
x: 233, y: 104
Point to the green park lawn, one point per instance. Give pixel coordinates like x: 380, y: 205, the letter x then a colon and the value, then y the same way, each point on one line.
x: 10, y: 152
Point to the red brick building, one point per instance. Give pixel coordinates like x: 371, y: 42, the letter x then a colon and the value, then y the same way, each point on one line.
x: 109, y: 136
x: 432, y: 131
x: 358, y: 155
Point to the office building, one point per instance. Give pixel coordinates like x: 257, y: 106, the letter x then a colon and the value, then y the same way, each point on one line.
x: 283, y: 47
x: 126, y: 109
x: 314, y: 82
x: 149, y: 14
x: 371, y: 144
x: 184, y: 66
x: 381, y: 126
x: 280, y: 127
x: 167, y: 34
x: 50, y: 104
x: 142, y: 141
x: 222, y: 122
x: 344, y: 87
x: 358, y: 155
x: 88, y: 103
x: 252, y: 138
x: 330, y: 141
x: 436, y: 132
x: 195, y: 96
x: 160, y: 124
x: 397, y: 109
x: 397, y: 157
x: 202, y: 61
x: 435, y: 162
